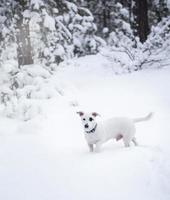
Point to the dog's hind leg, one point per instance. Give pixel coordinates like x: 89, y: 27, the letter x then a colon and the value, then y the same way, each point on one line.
x: 126, y: 141
x: 134, y: 141
x: 127, y: 144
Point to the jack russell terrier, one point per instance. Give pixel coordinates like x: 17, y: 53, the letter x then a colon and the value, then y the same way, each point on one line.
x: 114, y: 128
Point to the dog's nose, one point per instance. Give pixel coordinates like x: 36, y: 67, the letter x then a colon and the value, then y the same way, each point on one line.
x: 86, y: 126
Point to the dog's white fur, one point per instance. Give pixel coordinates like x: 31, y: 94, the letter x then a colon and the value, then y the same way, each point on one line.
x: 97, y: 133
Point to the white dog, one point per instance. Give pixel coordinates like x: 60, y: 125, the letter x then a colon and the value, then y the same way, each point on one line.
x: 114, y: 128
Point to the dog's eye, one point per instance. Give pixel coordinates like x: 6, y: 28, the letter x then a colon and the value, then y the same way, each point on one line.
x: 84, y: 119
x: 90, y: 119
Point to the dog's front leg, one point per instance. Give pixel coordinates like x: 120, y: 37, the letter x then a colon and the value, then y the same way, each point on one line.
x: 98, y: 147
x: 90, y: 147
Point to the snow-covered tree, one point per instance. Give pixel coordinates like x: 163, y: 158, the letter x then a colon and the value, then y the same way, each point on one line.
x: 48, y: 30
x: 62, y: 30
x: 39, y: 31
x: 7, y: 37
x: 157, y: 47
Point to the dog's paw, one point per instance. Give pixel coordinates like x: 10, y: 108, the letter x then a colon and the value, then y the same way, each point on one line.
x: 97, y: 150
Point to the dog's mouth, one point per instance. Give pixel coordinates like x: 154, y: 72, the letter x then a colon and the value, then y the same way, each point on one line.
x: 91, y: 130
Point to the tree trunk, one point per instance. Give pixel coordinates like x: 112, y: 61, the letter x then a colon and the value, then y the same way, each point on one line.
x: 104, y: 14
x: 130, y: 10
x: 24, y: 53
x: 142, y: 25
x: 24, y: 45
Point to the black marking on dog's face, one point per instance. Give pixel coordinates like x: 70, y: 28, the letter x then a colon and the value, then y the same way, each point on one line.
x: 90, y: 119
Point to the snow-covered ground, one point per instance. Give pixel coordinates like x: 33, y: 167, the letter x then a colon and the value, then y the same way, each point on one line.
x: 47, y: 158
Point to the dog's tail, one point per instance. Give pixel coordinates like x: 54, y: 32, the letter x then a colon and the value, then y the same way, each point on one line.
x: 148, y: 117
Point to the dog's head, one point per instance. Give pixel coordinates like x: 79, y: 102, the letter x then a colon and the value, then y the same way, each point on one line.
x: 88, y: 120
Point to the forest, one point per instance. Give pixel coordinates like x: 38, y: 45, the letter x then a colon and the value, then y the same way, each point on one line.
x: 64, y: 29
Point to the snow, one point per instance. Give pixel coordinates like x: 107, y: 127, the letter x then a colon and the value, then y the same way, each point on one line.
x: 26, y: 14
x: 105, y: 30
x: 49, y: 23
x: 47, y: 158
x: 168, y: 4
x: 71, y: 6
x: 36, y: 4
x: 124, y: 12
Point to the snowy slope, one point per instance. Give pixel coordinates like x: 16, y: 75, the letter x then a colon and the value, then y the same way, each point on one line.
x: 46, y: 158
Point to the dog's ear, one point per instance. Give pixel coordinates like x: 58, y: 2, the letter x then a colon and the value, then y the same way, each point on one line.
x: 80, y: 113
x: 95, y: 114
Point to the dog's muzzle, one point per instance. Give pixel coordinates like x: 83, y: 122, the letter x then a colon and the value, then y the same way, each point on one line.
x: 86, y: 126
x: 93, y: 130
